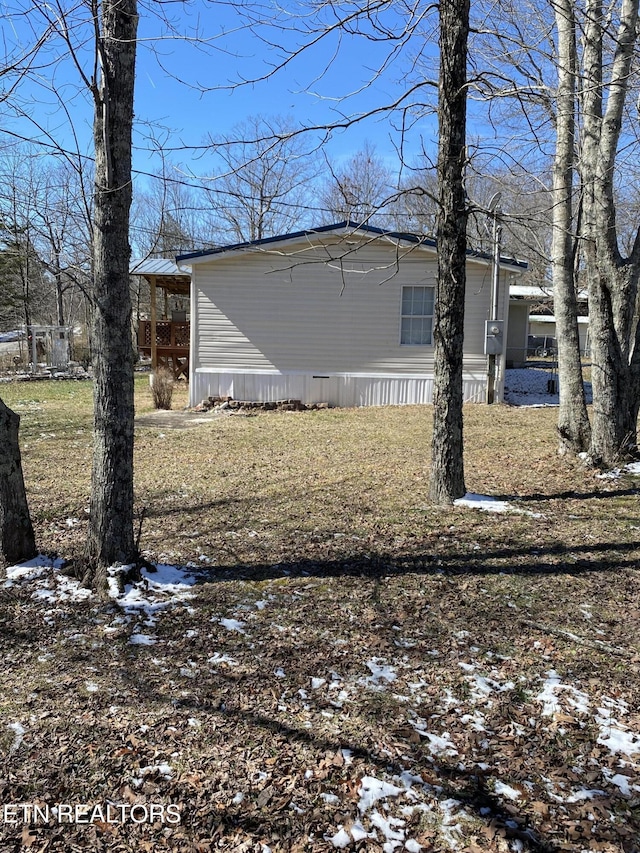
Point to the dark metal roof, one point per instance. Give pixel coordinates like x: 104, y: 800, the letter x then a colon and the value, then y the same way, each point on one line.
x: 406, y: 237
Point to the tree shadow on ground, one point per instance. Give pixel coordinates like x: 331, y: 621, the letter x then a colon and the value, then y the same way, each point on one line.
x: 553, y: 559
x: 539, y: 497
x: 450, y: 781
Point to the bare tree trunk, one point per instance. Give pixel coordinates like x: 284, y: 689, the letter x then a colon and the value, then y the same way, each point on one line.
x: 573, y: 422
x: 110, y: 539
x: 612, y: 279
x: 447, y: 468
x: 17, y: 540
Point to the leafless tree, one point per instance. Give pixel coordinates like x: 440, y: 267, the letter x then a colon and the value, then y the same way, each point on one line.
x: 573, y: 422
x: 415, y: 206
x: 169, y: 214
x: 447, y: 468
x: 110, y: 538
x: 262, y: 184
x: 400, y: 30
x: 359, y: 190
x: 612, y: 277
x: 62, y: 222
x: 17, y: 540
x: 571, y: 71
x: 99, y: 41
x: 27, y: 294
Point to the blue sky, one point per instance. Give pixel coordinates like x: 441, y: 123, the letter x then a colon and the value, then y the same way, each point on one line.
x: 311, y: 90
x: 296, y: 90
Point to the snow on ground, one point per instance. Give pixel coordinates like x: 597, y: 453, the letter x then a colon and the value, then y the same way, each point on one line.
x: 46, y: 582
x: 528, y: 386
x: 632, y: 468
x: 489, y: 504
x: 30, y: 570
x: 18, y: 733
x: 233, y: 625
x: 155, y: 591
x: 385, y: 803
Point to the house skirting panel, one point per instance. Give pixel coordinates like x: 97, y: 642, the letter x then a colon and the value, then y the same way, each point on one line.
x: 344, y: 389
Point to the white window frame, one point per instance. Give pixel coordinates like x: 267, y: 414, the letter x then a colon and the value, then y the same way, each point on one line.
x: 422, y: 316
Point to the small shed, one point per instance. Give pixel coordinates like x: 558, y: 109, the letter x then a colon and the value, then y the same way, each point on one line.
x: 49, y: 346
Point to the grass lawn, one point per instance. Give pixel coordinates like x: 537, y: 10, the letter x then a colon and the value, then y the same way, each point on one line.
x: 338, y: 664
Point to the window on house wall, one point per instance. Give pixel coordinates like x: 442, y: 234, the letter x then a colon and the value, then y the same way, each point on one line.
x: 416, y: 322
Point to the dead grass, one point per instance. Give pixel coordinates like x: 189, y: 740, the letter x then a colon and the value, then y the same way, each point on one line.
x: 313, y: 530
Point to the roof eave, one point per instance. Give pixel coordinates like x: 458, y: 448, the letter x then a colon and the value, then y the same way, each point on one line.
x: 341, y: 229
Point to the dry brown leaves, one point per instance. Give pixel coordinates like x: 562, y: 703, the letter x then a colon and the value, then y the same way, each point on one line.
x: 380, y: 638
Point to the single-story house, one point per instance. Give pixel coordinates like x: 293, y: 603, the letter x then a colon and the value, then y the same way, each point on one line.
x: 526, y: 330
x: 340, y: 314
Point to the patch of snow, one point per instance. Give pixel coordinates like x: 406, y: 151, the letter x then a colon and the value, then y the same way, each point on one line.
x: 18, y: 735
x: 316, y: 683
x: 233, y: 625
x: 154, y: 592
x: 504, y: 790
x: 332, y: 799
x: 64, y: 589
x: 550, y: 696
x: 475, y: 721
x: 451, y: 828
x: 489, y: 504
x: 380, y: 672
x: 358, y: 832
x: 613, y: 734
x: 621, y: 782
x: 189, y: 671
x: 218, y: 659
x: 142, y: 640
x: 91, y: 687
x: 341, y: 839
x: 438, y: 744
x: 391, y: 829
x: 584, y: 794
x: 528, y: 387
x: 482, y: 502
x: 633, y: 468
x: 31, y: 569
x: 163, y: 770
x: 372, y: 790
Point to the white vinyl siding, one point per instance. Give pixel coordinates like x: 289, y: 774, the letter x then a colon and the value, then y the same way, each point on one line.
x: 416, y: 319
x: 271, y: 321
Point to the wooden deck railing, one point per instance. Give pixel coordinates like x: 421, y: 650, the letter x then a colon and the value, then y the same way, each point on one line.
x: 168, y: 334
x: 172, y: 344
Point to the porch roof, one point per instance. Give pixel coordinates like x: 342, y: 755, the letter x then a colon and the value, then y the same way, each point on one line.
x: 166, y: 273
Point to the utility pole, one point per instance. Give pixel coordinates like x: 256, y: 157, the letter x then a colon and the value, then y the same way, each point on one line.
x: 493, y: 329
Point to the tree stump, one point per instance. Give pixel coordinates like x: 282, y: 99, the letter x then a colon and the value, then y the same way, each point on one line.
x: 17, y: 540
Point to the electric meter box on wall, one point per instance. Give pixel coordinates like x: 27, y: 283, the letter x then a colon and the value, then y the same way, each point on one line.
x: 493, y: 337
